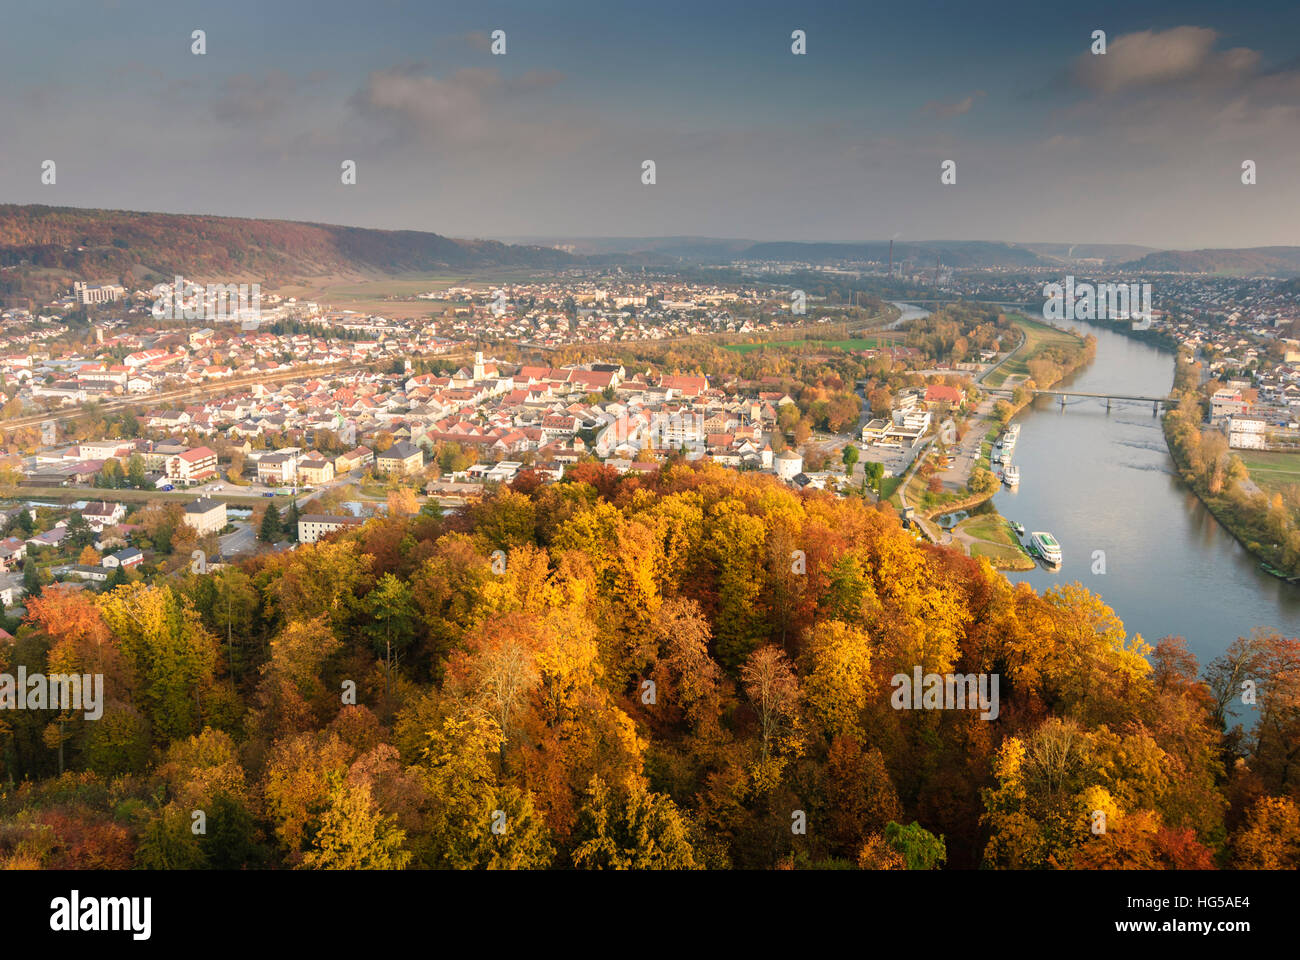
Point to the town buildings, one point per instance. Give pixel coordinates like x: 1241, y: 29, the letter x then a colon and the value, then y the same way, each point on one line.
x: 206, y: 515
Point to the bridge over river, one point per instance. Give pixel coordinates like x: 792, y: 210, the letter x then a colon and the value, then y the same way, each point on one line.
x: 1156, y: 402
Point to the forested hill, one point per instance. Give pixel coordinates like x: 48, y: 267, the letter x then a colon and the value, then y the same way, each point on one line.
x: 691, y: 669
x: 1251, y: 261
x: 106, y: 244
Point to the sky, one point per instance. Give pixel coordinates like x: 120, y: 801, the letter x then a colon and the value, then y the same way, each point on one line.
x: 1144, y: 144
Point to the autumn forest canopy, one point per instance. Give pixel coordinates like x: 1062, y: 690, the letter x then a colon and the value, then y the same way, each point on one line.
x: 683, y: 670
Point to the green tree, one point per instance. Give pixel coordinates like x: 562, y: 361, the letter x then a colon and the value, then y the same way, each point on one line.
x: 850, y: 457
x: 135, y: 471
x: 110, y: 475
x: 169, y: 842
x: 31, y: 578
x: 464, y: 798
x: 118, y: 743
x: 920, y: 848
x: 233, y: 614
x: 79, y: 532
x: 271, y: 529
x: 392, y: 613
x: 22, y: 524
x: 982, y: 481
x: 231, y: 840
x: 873, y: 473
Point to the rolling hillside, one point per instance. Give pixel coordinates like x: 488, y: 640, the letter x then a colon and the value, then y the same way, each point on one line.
x: 1251, y: 261
x: 107, y: 244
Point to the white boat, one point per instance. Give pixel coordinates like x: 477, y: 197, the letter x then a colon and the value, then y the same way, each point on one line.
x: 1011, y: 476
x: 1046, y: 546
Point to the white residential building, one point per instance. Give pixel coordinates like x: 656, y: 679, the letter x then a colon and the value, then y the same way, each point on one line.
x: 313, y: 526
x: 206, y: 515
x: 1247, y: 433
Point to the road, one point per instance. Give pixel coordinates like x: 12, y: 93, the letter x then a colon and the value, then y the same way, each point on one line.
x: 244, y: 537
x: 243, y: 540
x: 1024, y: 338
x: 967, y: 451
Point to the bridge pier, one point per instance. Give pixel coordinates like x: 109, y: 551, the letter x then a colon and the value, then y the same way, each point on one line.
x: 1108, y: 404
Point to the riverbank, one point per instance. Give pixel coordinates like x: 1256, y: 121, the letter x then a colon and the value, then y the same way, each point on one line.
x: 1156, y: 338
x: 1248, y: 518
x: 984, y: 533
x: 1045, y: 353
x: 1054, y: 354
x: 989, y: 535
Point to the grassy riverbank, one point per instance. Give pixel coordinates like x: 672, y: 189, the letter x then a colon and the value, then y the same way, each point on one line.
x: 1053, y: 354
x: 990, y: 535
x: 1042, y: 342
x: 1264, y: 520
x: 1268, y: 534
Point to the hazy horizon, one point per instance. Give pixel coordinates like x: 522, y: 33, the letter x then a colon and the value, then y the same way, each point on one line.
x: 1141, y: 146
x: 544, y: 239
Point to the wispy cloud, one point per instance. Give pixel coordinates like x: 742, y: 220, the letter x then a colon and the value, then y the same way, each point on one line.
x: 468, y: 105
x: 247, y: 99
x: 955, y: 108
x: 1153, y: 57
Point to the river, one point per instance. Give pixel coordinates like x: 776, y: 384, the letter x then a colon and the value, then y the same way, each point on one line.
x: 1104, y: 481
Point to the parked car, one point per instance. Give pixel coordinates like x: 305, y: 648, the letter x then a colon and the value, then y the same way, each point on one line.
x: 168, y: 486
x: 268, y: 494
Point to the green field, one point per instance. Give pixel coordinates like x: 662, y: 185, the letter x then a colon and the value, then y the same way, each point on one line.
x: 999, y: 554
x: 1038, y: 336
x: 989, y: 526
x: 870, y: 343
x: 1272, y: 471
x: 995, y: 540
x: 71, y: 494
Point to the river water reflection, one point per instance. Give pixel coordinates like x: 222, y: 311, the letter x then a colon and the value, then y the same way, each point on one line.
x: 1104, y: 481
